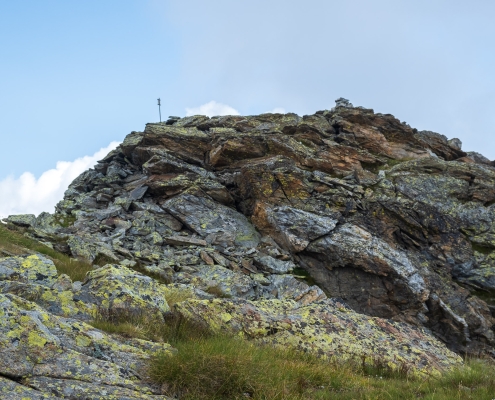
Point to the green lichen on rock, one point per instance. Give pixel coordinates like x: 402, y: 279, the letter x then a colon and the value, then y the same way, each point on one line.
x: 65, y: 303
x: 36, y: 343
x: 10, y: 390
x: 33, y: 268
x: 118, y: 289
x: 327, y: 328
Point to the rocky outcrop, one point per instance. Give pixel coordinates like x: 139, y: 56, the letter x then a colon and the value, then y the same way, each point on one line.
x: 328, y: 327
x: 47, y: 351
x: 345, y: 208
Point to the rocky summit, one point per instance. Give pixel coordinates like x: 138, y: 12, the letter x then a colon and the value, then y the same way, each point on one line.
x: 345, y: 233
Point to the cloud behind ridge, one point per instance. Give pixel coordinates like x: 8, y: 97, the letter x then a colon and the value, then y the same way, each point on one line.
x: 212, y: 109
x: 30, y: 195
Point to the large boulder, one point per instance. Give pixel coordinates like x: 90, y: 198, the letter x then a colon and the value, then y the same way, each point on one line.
x: 33, y: 268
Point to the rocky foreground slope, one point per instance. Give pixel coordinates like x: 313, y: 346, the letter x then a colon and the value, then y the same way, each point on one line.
x: 345, y: 233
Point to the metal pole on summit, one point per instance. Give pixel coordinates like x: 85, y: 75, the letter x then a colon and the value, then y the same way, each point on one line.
x: 159, y: 109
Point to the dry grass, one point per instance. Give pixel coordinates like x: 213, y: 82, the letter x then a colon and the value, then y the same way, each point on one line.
x: 176, y: 295
x: 171, y: 328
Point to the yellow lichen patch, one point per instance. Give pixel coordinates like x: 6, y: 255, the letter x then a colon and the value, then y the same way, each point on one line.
x: 35, y: 339
x: 124, y: 290
x: 327, y: 328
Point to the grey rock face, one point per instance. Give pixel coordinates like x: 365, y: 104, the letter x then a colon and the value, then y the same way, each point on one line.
x: 219, y: 223
x: 26, y: 220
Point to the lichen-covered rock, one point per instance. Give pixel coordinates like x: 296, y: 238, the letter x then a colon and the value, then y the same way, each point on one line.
x: 293, y: 228
x: 327, y: 328
x: 34, y: 268
x: 273, y: 265
x: 36, y: 344
x: 222, y: 281
x: 84, y: 247
x: 11, y: 390
x: 24, y: 220
x: 119, y: 290
x: 74, y: 389
x: 64, y: 303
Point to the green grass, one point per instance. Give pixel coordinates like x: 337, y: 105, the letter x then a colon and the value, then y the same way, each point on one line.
x: 218, y: 367
x: 221, y: 367
x: 171, y: 327
x: 15, y: 243
x: 304, y: 275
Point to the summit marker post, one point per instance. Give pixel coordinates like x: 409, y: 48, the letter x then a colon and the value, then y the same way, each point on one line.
x: 159, y: 109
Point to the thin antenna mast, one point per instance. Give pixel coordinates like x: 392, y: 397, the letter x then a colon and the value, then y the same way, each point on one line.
x: 159, y: 109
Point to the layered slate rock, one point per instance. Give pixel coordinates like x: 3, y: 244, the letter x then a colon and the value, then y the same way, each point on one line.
x: 281, y: 209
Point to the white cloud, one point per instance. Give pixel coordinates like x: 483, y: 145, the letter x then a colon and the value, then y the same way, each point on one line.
x: 28, y: 195
x: 278, y: 110
x: 212, y: 109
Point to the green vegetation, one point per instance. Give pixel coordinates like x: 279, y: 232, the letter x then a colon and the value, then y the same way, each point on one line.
x: 15, y: 243
x: 141, y: 326
x: 222, y: 367
x: 172, y: 328
x: 304, y: 275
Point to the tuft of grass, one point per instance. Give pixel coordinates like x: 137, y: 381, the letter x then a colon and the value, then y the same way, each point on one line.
x: 225, y: 367
x: 303, y: 275
x: 171, y: 328
x: 176, y: 295
x: 15, y: 243
x: 129, y: 329
x: 130, y: 325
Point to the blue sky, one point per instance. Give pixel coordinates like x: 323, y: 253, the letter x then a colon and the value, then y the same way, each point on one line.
x: 76, y: 76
